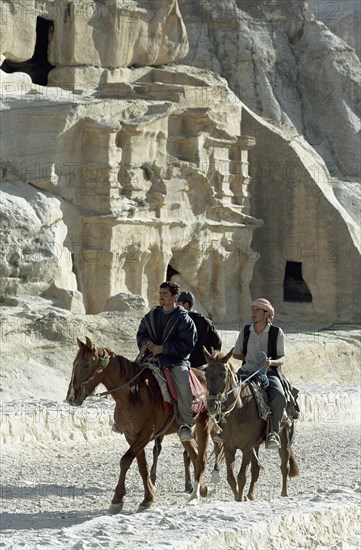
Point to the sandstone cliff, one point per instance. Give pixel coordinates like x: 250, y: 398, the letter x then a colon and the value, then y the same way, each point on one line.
x: 146, y: 140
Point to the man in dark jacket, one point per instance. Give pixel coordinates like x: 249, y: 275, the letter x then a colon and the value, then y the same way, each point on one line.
x: 206, y: 333
x: 169, y: 334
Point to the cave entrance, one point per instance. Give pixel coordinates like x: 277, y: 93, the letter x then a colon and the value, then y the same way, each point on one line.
x: 171, y: 272
x: 295, y: 288
x: 38, y: 67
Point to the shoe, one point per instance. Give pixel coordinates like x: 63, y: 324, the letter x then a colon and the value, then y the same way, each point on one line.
x: 185, y: 433
x: 273, y: 441
x: 217, y: 438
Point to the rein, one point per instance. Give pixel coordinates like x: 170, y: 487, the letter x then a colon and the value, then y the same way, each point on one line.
x: 108, y: 392
x: 222, y: 398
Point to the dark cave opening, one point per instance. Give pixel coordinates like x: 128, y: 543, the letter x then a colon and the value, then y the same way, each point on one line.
x: 170, y: 272
x: 295, y: 288
x: 38, y: 66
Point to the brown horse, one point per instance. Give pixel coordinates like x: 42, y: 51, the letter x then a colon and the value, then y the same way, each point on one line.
x: 139, y: 413
x: 233, y: 407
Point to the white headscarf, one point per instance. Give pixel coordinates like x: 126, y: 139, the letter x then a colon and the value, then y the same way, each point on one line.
x: 262, y: 303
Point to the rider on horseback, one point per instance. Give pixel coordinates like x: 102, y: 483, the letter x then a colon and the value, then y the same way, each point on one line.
x: 169, y: 334
x: 207, y: 334
x: 261, y: 335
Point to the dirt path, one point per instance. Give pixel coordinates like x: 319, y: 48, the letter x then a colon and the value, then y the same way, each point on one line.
x: 52, y: 489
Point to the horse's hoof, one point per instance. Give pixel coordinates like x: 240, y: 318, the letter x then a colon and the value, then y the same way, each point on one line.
x: 142, y: 507
x: 188, y: 489
x: 204, y: 491
x: 115, y: 508
x: 195, y: 493
x: 215, y: 478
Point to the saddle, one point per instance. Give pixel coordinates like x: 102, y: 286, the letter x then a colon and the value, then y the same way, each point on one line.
x: 260, y: 395
x: 169, y: 391
x: 291, y: 394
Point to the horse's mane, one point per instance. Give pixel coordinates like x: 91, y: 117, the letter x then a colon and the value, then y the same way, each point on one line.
x: 131, y: 368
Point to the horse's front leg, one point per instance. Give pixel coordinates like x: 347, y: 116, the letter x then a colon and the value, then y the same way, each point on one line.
x: 255, y: 469
x: 200, y: 457
x: 149, y: 493
x: 285, y: 460
x: 156, y: 452
x: 192, y: 452
x: 218, y: 448
x: 242, y: 476
x: 230, y: 455
x: 119, y: 494
x: 188, y: 486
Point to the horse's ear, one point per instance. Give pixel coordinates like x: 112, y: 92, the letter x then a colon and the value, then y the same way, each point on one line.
x: 233, y: 367
x: 227, y: 357
x: 207, y: 356
x: 89, y: 343
x: 80, y: 343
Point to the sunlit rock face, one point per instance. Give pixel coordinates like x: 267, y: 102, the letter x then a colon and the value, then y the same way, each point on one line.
x: 95, y: 33
x: 121, y: 168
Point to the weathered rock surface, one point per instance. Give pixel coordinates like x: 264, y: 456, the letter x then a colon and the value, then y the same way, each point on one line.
x: 343, y: 17
x: 96, y: 33
x: 121, y: 169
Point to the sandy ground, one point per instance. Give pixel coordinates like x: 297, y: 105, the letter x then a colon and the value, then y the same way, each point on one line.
x: 56, y: 495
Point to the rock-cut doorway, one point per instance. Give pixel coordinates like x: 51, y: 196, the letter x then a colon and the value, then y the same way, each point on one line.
x: 38, y: 66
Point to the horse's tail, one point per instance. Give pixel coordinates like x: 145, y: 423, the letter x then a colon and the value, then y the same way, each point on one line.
x: 294, y: 469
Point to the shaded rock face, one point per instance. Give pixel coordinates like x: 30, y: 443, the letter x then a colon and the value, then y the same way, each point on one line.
x: 120, y: 167
x: 342, y: 17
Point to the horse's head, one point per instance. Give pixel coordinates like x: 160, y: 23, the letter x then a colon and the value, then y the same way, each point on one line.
x: 219, y: 376
x: 88, y: 367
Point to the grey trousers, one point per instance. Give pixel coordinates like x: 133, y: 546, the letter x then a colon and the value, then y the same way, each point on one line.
x: 180, y: 376
x: 277, y: 400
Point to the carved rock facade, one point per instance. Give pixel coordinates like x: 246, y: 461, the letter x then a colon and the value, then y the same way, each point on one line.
x: 121, y: 169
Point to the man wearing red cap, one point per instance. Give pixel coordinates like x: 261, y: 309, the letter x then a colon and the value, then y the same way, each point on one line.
x: 258, y: 336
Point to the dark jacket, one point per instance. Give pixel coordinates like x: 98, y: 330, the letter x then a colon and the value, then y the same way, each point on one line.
x: 206, y: 336
x: 178, y: 337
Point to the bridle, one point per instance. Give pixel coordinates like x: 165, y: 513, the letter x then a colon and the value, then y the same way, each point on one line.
x: 231, y: 386
x: 103, y: 363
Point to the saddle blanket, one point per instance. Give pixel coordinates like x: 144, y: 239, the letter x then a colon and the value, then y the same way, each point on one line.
x: 261, y: 399
x: 169, y: 392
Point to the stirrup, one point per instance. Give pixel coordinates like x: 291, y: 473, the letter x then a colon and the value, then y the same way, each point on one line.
x: 273, y: 441
x: 217, y: 438
x: 185, y: 433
